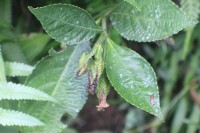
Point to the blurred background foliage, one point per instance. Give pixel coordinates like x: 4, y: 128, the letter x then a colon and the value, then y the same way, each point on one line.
x: 176, y: 61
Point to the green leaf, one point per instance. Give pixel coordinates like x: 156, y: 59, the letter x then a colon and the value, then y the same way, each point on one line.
x: 134, y: 3
x: 180, y: 116
x: 17, y: 69
x: 12, y: 91
x: 2, y: 69
x: 6, y: 34
x: 66, y: 23
x: 191, y: 8
x: 12, y: 52
x: 14, y: 118
x: 158, y: 19
x: 33, y: 44
x: 6, y: 10
x: 99, y: 131
x: 59, y: 80
x: 133, y: 78
x: 7, y: 129
x: 194, y: 120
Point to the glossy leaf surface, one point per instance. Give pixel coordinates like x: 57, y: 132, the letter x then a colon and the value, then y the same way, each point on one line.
x: 66, y: 23
x: 158, y: 19
x: 56, y: 75
x: 133, y: 78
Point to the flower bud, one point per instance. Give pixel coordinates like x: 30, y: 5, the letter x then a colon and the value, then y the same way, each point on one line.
x: 83, y: 64
x: 102, y: 92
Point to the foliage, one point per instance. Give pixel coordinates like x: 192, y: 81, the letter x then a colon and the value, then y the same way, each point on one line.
x: 152, y: 23
x: 137, y: 79
x: 72, y: 26
x: 13, y: 91
x: 71, y: 95
x: 87, y: 55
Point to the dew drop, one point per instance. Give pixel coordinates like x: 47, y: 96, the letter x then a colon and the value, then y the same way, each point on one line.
x: 131, y: 86
x: 157, y: 12
x: 143, y: 38
x: 148, y: 36
x: 76, y: 110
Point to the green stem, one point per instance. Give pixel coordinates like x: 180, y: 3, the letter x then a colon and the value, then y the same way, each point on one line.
x: 99, y: 41
x: 101, y: 38
x: 187, y: 43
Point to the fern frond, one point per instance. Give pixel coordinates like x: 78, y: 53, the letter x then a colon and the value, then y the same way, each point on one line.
x: 2, y: 69
x: 15, y: 118
x: 17, y: 69
x: 12, y: 91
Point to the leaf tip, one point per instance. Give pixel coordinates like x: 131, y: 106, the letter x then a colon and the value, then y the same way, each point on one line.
x: 30, y: 8
x: 160, y: 116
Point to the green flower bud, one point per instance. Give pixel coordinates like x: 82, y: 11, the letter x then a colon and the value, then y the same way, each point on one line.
x: 99, y: 51
x: 83, y: 64
x: 95, y: 67
x: 98, y: 60
x: 99, y: 67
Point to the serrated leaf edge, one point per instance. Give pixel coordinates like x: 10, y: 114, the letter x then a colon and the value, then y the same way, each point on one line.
x: 21, y: 113
x: 174, y: 33
x: 98, y: 30
x: 26, y: 67
x: 159, y: 113
x: 14, y: 85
